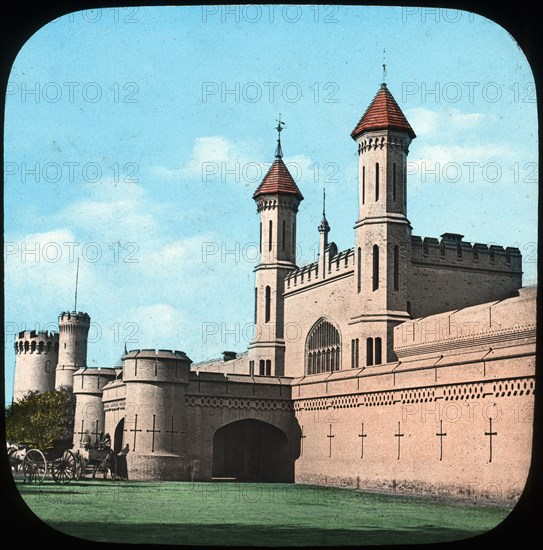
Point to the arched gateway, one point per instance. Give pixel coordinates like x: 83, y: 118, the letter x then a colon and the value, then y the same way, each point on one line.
x: 252, y: 450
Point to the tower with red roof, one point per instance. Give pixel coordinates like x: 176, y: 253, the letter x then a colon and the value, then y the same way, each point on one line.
x: 383, y: 232
x: 277, y: 199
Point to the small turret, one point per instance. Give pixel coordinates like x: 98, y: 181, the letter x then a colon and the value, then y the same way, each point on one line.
x: 277, y: 199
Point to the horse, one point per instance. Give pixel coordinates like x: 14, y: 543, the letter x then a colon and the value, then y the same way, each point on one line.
x: 16, y: 455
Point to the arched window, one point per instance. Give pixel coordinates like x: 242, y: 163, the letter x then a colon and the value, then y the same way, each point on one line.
x: 27, y: 347
x: 268, y: 304
x: 376, y: 181
x: 396, y: 268
x: 394, y: 182
x: 261, y: 367
x: 270, y: 235
x: 49, y: 346
x: 268, y: 367
x: 47, y: 366
x: 375, y: 267
x: 40, y: 346
x: 33, y: 346
x: 323, y: 348
x: 363, y: 184
x: 354, y: 353
x: 369, y: 352
x: 378, y: 350
x: 359, y: 270
x: 284, y: 236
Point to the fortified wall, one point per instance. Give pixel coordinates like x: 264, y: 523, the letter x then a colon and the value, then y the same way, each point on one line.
x: 451, y: 273
x: 171, y: 418
x: 459, y: 400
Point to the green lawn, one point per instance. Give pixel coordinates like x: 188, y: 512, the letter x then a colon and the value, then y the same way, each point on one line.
x: 248, y: 514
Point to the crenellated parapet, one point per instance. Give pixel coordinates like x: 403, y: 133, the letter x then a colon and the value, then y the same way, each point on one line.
x: 32, y: 341
x: 337, y: 264
x: 451, y: 251
x: 74, y: 322
x: 149, y: 365
x: 36, y: 356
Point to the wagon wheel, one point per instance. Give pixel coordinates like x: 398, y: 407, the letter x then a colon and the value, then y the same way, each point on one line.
x: 34, y: 466
x: 63, y: 469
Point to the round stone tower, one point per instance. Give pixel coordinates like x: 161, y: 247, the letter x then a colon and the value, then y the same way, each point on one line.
x: 89, y: 410
x: 36, y: 357
x: 155, y: 413
x: 72, y: 355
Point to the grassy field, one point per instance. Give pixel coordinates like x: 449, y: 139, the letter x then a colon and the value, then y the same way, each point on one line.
x: 248, y: 514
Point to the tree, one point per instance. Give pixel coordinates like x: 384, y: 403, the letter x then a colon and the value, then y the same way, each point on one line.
x: 40, y: 418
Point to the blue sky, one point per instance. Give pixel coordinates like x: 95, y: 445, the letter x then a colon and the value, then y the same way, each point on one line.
x: 135, y: 137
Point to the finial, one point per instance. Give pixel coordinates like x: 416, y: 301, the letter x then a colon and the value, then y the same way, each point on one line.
x: 324, y: 227
x: 279, y: 128
x: 384, y: 67
x: 76, y: 281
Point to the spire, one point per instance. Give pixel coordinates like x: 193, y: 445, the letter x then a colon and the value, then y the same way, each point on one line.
x: 279, y: 128
x: 384, y: 67
x: 76, y: 282
x: 324, y: 227
x: 278, y: 179
x: 382, y: 114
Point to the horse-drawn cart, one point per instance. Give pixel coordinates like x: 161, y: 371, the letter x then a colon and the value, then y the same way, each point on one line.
x: 58, y: 459
x: 100, y: 459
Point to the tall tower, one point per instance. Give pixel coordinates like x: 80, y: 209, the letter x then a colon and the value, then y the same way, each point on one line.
x: 383, y: 232
x: 277, y: 199
x: 72, y: 353
x: 36, y: 356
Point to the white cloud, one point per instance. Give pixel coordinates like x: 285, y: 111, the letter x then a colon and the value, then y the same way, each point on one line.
x: 216, y: 158
x: 157, y: 326
x: 423, y: 121
x: 427, y: 122
x: 113, y: 212
x: 40, y: 272
x: 209, y: 154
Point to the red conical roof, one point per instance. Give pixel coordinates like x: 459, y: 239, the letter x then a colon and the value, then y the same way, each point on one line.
x: 383, y: 113
x: 278, y: 180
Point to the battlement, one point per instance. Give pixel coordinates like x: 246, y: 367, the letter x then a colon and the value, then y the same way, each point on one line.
x: 92, y: 380
x: 40, y: 341
x: 150, y: 365
x: 337, y: 264
x: 74, y: 316
x: 453, y: 252
x: 149, y: 353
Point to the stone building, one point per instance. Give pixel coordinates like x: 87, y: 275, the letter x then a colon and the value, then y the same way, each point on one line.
x: 400, y: 364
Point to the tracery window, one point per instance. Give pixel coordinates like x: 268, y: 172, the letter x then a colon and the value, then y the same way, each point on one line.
x: 323, y: 348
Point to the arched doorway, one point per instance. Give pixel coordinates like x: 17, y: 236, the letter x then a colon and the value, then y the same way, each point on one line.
x: 252, y: 450
x: 118, y: 437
